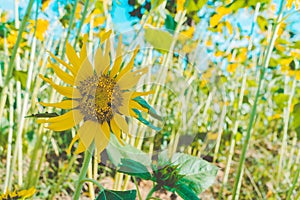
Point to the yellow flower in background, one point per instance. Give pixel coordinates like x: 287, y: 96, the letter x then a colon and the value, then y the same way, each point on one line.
x: 180, y: 5
x: 12, y: 38
x: 98, y: 97
x: 232, y: 67
x: 289, y: 3
x: 229, y: 27
x: 3, y: 17
x: 98, y: 17
x: 41, y: 27
x: 216, y: 18
x: 45, y: 5
x: 78, y: 11
x: 18, y: 195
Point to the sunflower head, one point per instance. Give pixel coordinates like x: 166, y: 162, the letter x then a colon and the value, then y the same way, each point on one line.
x: 99, y: 95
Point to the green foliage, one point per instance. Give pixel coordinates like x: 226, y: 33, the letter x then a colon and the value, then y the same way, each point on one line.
x: 185, y: 174
x: 262, y: 23
x: 117, y: 152
x: 170, y: 23
x: 116, y: 195
x: 159, y: 39
x: 134, y: 168
x: 21, y: 76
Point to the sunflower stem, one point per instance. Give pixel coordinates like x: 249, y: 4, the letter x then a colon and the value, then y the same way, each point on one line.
x: 153, y: 189
x: 87, y: 158
x: 238, y: 179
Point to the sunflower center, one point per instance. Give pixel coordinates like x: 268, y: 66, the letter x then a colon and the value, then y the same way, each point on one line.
x: 101, y: 97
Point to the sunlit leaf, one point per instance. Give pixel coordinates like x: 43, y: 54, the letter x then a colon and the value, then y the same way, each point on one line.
x: 21, y: 76
x: 159, y: 39
x: 116, y: 152
x: 262, y: 23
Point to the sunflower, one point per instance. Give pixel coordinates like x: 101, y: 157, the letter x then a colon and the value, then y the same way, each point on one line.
x: 98, y: 96
x: 18, y: 194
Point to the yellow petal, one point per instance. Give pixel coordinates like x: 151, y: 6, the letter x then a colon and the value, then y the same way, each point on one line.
x: 124, y: 108
x: 134, y: 104
x: 128, y: 67
x: 137, y: 94
x: 116, y: 130
x: 86, y: 71
x: 106, y: 62
x: 65, y: 91
x: 72, y: 57
x: 101, y: 141
x: 75, y: 138
x: 121, y: 122
x: 104, y: 36
x: 63, y: 122
x: 130, y: 79
x: 81, y: 148
x: 69, y: 67
x: 98, y: 62
x: 105, y: 128
x: 118, y: 61
x: 66, y: 104
x: 61, y: 74
x: 87, y: 132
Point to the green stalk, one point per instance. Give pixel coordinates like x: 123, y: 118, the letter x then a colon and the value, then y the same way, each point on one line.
x: 137, y: 188
x: 87, y: 158
x: 238, y: 178
x: 86, y: 4
x: 92, y: 181
x: 33, y: 157
x: 295, y: 181
x: 13, y: 56
x: 153, y: 189
x: 63, y: 176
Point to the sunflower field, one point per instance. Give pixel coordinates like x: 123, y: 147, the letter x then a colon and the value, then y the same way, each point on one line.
x: 150, y: 99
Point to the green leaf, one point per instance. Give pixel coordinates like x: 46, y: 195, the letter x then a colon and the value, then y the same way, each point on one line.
x: 133, y: 168
x: 235, y: 5
x: 21, y: 76
x: 163, y: 158
x: 116, y: 152
x: 144, y: 121
x: 151, y: 110
x: 170, y: 23
x: 191, y: 6
x: 42, y: 115
x: 281, y: 99
x: 262, y: 23
x: 185, y: 192
x: 198, y: 173
x: 159, y: 39
x: 116, y: 195
x: 296, y: 45
x: 201, y: 3
x: 156, y: 3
